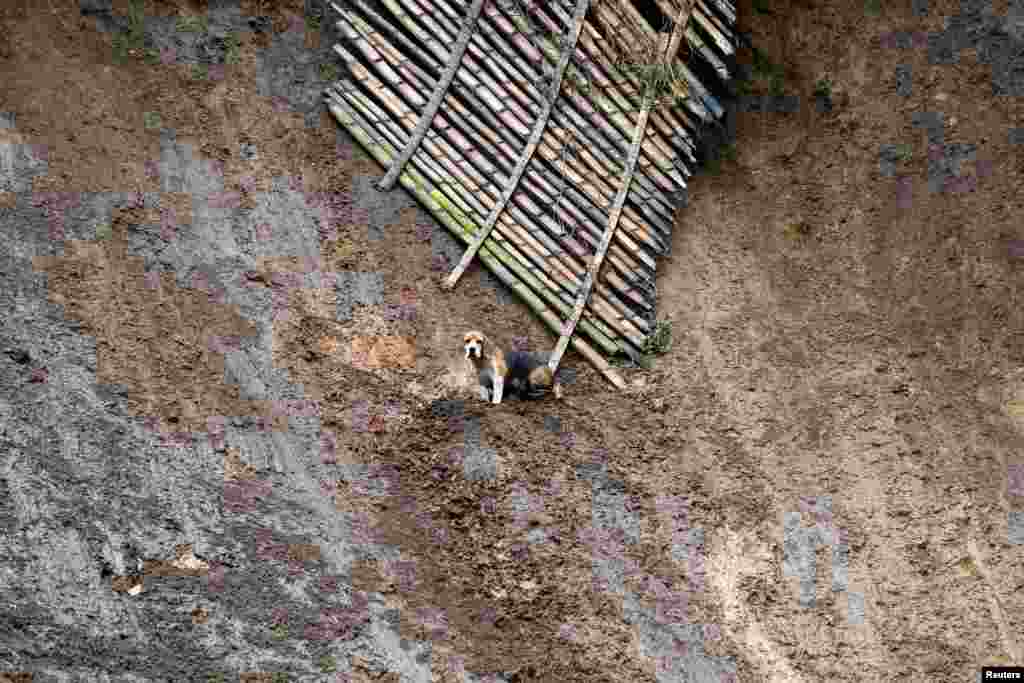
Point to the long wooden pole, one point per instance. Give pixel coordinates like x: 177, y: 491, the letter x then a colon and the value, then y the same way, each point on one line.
x: 427, y: 116
x: 524, y: 159
x: 592, y: 272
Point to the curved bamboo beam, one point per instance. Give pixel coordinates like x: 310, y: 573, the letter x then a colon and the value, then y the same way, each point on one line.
x: 638, y: 136
x: 427, y: 117
x: 524, y: 159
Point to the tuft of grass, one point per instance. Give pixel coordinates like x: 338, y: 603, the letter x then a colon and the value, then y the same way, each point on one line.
x: 904, y: 152
x: 328, y: 72
x: 313, y: 22
x: 279, y: 632
x: 215, y: 678
x: 823, y: 88
x: 104, y: 231
x: 151, y: 120
x: 660, y: 340
x: 199, y: 72
x: 136, y: 21
x: 762, y: 66
x: 279, y: 677
x: 133, y: 39
x: 761, y: 7
x: 660, y: 81
x: 966, y: 567
x: 798, y: 230
x: 232, y: 49
x: 328, y: 664
x: 191, y: 23
x: 728, y: 152
x: 872, y: 7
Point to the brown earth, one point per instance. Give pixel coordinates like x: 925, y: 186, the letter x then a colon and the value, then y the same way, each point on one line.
x: 827, y: 342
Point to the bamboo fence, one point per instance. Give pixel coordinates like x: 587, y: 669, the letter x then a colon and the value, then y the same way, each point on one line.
x: 516, y: 124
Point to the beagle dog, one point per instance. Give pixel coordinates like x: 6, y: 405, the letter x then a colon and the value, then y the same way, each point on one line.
x: 526, y: 373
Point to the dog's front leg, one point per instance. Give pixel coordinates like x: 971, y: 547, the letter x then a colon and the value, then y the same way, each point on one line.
x: 499, y: 387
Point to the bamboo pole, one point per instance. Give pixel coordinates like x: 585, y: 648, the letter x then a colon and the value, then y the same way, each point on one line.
x: 427, y: 116
x: 538, y: 131
x: 638, y: 135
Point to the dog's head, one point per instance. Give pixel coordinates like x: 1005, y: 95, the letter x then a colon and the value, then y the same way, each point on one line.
x: 473, y: 343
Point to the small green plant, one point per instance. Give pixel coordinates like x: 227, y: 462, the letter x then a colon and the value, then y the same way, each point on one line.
x: 776, y: 84
x: 232, y: 49
x: 104, y: 231
x: 763, y: 66
x: 279, y: 677
x: 761, y: 7
x: 728, y: 152
x: 199, y: 72
x: 744, y: 87
x: 873, y: 7
x: 136, y: 19
x: 798, y: 230
x: 313, y: 22
x: 659, y: 81
x: 328, y: 72
x: 191, y: 23
x: 903, y: 152
x: 215, y: 678
x: 134, y: 37
x: 279, y: 632
x: 328, y: 664
x: 660, y: 340
x: 151, y: 119
x: 152, y: 56
x: 823, y: 88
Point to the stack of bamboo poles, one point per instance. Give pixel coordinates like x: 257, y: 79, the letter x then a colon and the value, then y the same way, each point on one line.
x: 549, y: 223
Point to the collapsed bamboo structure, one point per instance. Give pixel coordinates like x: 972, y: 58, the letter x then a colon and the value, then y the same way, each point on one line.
x: 515, y: 124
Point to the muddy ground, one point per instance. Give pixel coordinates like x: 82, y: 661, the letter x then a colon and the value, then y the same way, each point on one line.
x: 235, y: 440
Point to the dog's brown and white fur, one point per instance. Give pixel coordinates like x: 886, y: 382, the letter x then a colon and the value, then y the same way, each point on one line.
x: 527, y: 373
